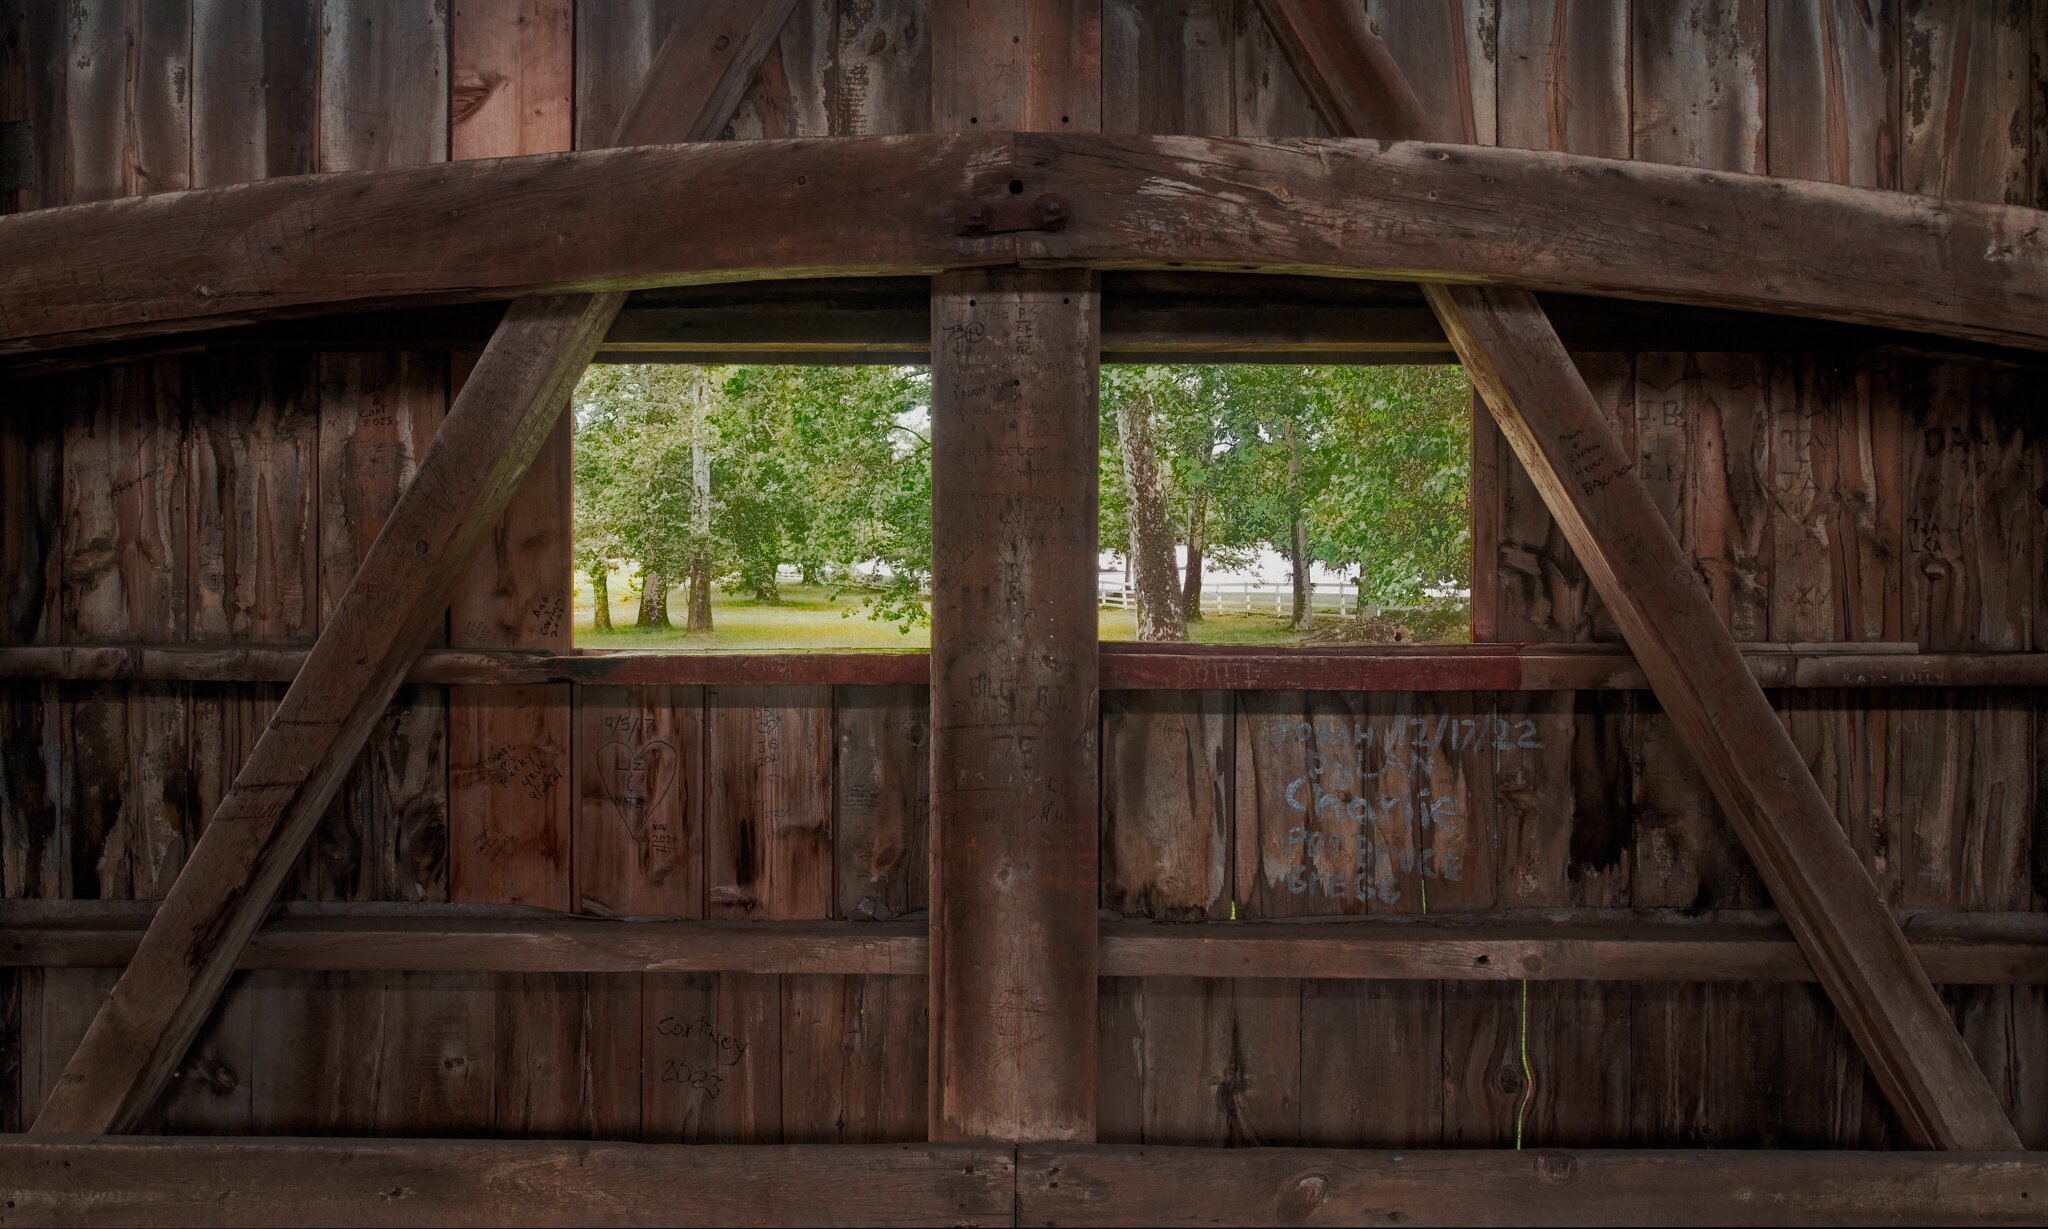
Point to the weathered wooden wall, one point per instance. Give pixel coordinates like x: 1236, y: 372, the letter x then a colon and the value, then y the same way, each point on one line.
x: 224, y: 499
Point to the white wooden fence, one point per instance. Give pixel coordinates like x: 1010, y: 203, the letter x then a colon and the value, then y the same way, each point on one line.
x: 1245, y: 597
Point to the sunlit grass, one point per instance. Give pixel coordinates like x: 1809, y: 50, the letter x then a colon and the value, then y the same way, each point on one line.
x: 808, y: 619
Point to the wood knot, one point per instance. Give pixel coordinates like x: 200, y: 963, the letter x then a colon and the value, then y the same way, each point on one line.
x: 1554, y: 1167
x: 1302, y: 1197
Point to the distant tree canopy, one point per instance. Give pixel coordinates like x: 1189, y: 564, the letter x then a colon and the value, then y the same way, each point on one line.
x: 731, y: 474
x: 1366, y: 470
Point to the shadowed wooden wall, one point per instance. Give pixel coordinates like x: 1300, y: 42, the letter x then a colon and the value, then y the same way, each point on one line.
x: 224, y: 498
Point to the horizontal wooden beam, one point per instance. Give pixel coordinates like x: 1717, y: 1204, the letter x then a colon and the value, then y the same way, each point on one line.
x: 189, y: 1180
x: 1146, y: 318
x: 1327, y: 1186
x: 739, y: 211
x: 119, y: 1180
x: 1550, y: 945
x: 422, y: 938
x: 1133, y: 667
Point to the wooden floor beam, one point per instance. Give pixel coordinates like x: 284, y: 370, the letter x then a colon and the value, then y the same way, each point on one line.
x: 1330, y: 1186
x: 407, y: 1182
x: 1956, y: 948
x: 1588, y: 480
x: 178, y: 1181
x: 1133, y: 667
x: 390, y: 609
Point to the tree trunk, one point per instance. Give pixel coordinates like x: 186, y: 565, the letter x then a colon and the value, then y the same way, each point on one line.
x: 700, y: 592
x: 653, y: 599
x: 601, y: 606
x: 1297, y: 538
x: 1159, y: 614
x: 1304, y: 611
x: 700, y: 515
x: 1198, y: 543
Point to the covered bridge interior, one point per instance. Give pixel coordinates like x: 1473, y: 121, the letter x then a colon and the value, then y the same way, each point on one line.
x: 320, y: 901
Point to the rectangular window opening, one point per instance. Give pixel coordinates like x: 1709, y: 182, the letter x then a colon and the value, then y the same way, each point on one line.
x: 783, y: 508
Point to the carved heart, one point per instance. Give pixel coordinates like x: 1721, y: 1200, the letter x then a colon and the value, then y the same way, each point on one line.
x: 636, y: 779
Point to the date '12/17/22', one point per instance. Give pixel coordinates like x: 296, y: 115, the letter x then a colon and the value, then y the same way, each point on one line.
x: 1370, y: 815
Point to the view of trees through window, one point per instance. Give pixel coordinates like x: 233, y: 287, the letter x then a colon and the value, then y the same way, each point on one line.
x: 730, y: 509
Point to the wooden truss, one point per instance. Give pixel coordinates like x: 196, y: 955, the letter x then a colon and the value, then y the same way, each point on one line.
x: 1013, y: 227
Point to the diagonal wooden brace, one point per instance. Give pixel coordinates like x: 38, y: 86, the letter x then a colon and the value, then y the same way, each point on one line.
x: 1588, y: 480
x: 389, y: 612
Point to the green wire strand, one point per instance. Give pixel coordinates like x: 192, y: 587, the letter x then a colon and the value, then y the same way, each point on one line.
x: 1528, y: 1075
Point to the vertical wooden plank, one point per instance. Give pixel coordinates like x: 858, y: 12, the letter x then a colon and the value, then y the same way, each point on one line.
x: 879, y: 76
x: 45, y: 53
x: 254, y: 457
x: 33, y: 837
x: 383, y: 83
x: 712, y: 1071
x: 1833, y: 96
x: 1166, y: 792
x: 1446, y: 51
x: 1371, y: 1071
x: 387, y: 830
x: 1019, y: 65
x: 254, y: 89
x: 510, y: 77
x: 1965, y: 115
x: 640, y: 821
x: 853, y: 1060
x: 615, y: 46
x: 126, y: 495
x: 1698, y: 73
x: 768, y: 764
x: 768, y: 783
x: 1965, y: 110
x: 93, y: 72
x: 883, y: 805
x: 511, y: 69
x: 1166, y: 855
x: 1271, y: 101
x: 319, y: 1063
x: 509, y: 795
x: 15, y: 76
x: 1833, y: 104
x: 1168, y: 67
x: 159, y: 101
x: 1564, y: 78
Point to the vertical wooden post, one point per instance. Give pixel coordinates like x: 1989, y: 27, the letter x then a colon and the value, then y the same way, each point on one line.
x: 1014, y: 712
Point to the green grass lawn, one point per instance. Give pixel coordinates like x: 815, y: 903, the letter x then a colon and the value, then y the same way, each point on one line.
x: 809, y: 618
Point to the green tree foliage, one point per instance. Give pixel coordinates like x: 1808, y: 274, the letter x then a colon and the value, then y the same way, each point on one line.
x: 1397, y: 505
x: 822, y: 468
x: 828, y: 469
x: 1365, y: 469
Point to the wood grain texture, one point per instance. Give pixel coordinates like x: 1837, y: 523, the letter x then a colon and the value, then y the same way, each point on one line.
x: 415, y: 1182
x: 1354, y: 209
x: 1279, y: 1186
x: 1014, y: 733
x: 882, y: 812
x: 639, y: 838
x: 1966, y: 947
x: 1527, y: 666
x: 1574, y: 454
x: 298, y: 765
x: 383, y: 98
